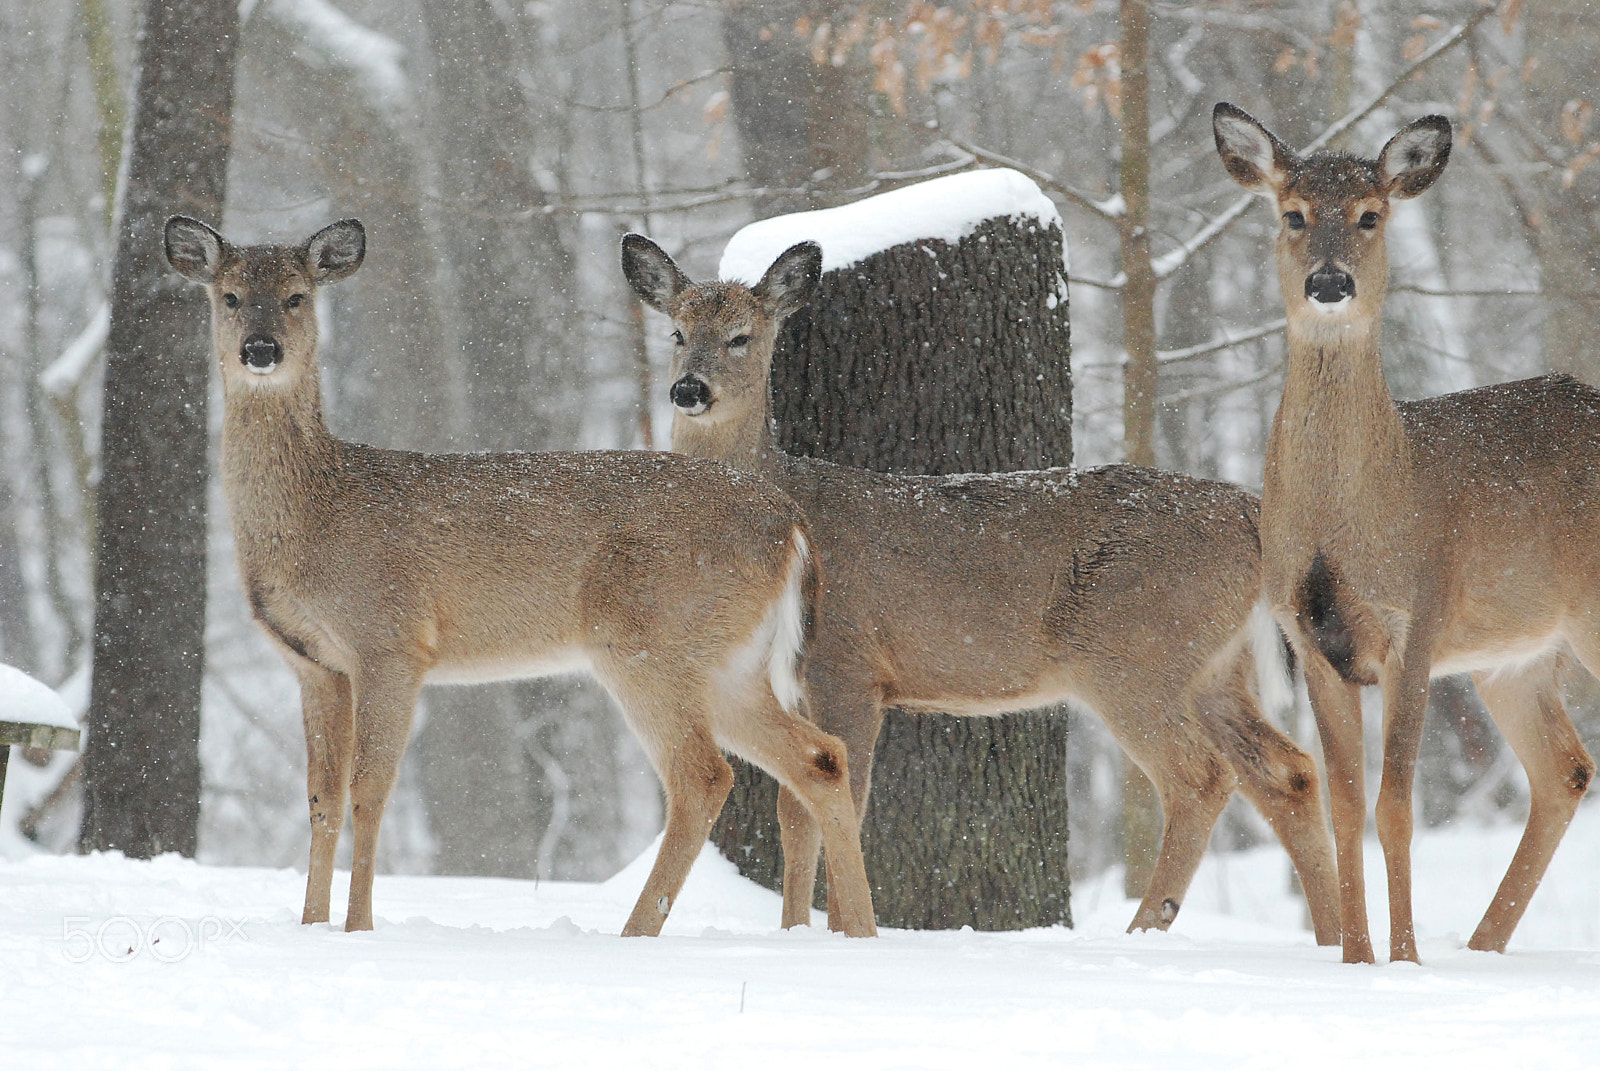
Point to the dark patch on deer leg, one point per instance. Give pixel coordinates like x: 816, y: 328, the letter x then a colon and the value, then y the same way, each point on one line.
x: 825, y: 762
x: 1317, y: 603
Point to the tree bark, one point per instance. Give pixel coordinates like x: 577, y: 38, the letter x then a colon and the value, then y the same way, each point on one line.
x: 1141, y: 813
x: 142, y: 759
x: 503, y: 794
x: 932, y: 358
x: 804, y: 126
x: 1561, y: 38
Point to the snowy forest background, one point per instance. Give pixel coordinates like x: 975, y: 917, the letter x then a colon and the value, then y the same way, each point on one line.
x: 496, y: 151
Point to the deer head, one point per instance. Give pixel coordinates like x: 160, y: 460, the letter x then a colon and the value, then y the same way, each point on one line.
x: 1332, y: 262
x: 724, y: 332
x: 261, y: 296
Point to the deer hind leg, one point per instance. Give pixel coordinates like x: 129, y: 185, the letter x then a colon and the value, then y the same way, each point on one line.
x: 1525, y: 703
x: 813, y: 767
x: 329, y: 724
x: 801, y: 838
x: 848, y: 712
x: 1336, y: 705
x: 1281, y: 780
x: 384, y: 705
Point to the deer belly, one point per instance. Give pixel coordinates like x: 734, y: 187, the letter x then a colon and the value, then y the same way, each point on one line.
x: 482, y: 669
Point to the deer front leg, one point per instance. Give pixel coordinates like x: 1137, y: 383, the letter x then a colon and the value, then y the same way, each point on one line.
x: 1191, y: 808
x: 1337, y: 708
x: 384, y: 706
x: 1405, y: 704
x: 329, y: 720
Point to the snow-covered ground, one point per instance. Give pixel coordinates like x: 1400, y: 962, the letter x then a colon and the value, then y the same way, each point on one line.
x: 106, y: 962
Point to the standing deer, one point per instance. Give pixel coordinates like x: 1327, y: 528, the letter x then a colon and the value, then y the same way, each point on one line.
x: 686, y: 588
x: 1126, y: 590
x: 1407, y: 540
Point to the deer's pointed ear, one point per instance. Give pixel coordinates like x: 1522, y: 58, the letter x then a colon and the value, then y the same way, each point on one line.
x: 1253, y: 155
x: 336, y: 251
x: 791, y: 280
x: 1416, y: 156
x: 193, y: 249
x: 651, y: 272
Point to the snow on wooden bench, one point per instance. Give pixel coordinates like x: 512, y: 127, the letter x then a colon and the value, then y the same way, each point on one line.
x: 32, y: 715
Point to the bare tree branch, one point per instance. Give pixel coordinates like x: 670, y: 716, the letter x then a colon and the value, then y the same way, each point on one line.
x: 1109, y: 208
x: 1206, y: 349
x: 1168, y: 263
x: 1408, y: 288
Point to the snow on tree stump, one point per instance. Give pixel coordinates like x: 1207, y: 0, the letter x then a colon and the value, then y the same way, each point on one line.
x: 940, y: 346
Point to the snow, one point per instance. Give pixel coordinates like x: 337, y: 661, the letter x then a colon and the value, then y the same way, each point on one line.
x: 109, y: 962
x: 24, y: 699
x: 947, y: 209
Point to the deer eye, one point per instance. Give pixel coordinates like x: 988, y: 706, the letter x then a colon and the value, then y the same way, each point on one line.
x: 739, y: 340
x: 1295, y: 220
x: 1368, y: 221
x: 294, y: 301
x: 677, y: 337
x: 231, y: 300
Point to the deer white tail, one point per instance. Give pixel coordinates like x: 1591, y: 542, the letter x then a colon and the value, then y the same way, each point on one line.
x: 1274, y: 668
x: 787, y: 627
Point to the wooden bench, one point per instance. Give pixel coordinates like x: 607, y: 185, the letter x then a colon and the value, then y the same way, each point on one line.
x: 23, y: 699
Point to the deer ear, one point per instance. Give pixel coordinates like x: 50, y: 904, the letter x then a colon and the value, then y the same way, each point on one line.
x: 1416, y: 156
x: 336, y: 251
x: 1255, y: 158
x: 193, y: 249
x: 790, y: 281
x: 651, y: 272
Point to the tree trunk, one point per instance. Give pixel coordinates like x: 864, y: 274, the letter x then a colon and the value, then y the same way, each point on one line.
x: 931, y: 358
x: 393, y: 379
x: 1561, y: 38
x: 801, y: 124
x: 142, y: 760
x: 502, y: 798
x: 1141, y: 814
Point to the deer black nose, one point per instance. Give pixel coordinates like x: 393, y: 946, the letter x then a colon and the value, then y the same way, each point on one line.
x: 261, y: 353
x: 1330, y: 286
x: 691, y: 395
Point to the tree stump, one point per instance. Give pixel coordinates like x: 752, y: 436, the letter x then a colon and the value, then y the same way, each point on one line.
x: 935, y: 357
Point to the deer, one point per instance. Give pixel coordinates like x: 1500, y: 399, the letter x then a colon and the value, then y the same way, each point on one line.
x: 685, y: 587
x: 1128, y: 591
x: 1406, y: 540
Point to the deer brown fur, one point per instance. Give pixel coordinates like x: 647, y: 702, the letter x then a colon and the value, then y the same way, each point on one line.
x: 684, y: 586
x: 1413, y: 539
x: 1126, y: 590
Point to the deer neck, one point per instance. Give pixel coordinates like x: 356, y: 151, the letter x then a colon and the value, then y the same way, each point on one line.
x: 278, y: 463
x: 1337, y: 411
x: 746, y: 443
